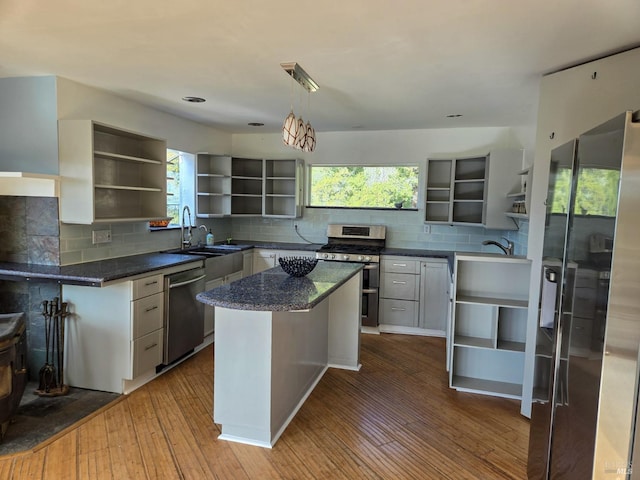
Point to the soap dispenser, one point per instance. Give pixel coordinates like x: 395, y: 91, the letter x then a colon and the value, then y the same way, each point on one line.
x: 209, y: 238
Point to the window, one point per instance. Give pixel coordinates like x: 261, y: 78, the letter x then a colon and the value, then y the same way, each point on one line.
x: 180, y: 184
x: 361, y: 186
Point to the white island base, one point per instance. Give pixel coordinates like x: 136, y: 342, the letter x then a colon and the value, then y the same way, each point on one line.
x: 268, y: 362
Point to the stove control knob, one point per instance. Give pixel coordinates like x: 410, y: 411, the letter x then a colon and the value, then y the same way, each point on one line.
x: 333, y: 257
x: 345, y: 257
x: 326, y: 255
x: 360, y: 257
x: 367, y: 259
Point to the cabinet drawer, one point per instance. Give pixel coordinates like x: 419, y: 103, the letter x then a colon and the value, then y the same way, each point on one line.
x: 401, y: 286
x: 143, y: 287
x: 147, y: 352
x: 147, y: 314
x: 398, y: 312
x: 400, y: 265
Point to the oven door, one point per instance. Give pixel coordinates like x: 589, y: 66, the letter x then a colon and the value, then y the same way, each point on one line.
x: 370, y: 307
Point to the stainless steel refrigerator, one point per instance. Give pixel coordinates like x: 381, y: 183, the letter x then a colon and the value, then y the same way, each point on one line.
x: 585, y: 397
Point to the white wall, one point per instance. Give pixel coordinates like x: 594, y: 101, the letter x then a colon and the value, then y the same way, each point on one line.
x: 571, y: 102
x: 28, y: 128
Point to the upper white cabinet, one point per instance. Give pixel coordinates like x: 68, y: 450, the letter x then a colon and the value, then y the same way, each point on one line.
x: 213, y: 185
x: 248, y: 186
x: 472, y: 190
x: 108, y: 174
x: 283, y: 183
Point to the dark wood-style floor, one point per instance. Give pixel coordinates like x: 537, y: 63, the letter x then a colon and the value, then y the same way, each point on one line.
x: 394, y: 419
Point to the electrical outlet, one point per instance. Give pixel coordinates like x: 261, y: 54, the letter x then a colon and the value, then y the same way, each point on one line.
x: 101, y: 236
x: 427, y: 229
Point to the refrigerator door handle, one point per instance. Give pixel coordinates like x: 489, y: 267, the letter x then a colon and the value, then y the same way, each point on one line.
x: 549, y: 298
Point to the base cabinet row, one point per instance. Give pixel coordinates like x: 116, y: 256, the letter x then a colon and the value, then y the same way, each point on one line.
x: 487, y: 337
x: 414, y: 295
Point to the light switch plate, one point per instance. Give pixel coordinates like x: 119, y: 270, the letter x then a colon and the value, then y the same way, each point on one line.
x: 427, y: 229
x: 101, y: 236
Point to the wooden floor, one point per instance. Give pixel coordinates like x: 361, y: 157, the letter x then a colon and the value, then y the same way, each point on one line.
x: 394, y: 419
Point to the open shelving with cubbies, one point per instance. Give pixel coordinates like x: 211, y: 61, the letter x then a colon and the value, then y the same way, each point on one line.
x: 109, y: 174
x: 488, y: 330
x: 283, y: 188
x: 213, y: 185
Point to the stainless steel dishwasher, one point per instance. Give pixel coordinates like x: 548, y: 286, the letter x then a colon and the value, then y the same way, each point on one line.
x: 184, y: 315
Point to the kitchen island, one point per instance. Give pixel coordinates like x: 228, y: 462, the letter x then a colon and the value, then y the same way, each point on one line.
x: 275, y: 337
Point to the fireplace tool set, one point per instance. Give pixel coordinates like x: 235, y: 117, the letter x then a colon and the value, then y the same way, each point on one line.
x: 52, y: 372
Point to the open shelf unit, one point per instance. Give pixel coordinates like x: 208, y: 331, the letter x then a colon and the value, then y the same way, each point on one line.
x: 456, y: 190
x: 520, y: 195
x: 489, y: 324
x: 213, y: 185
x: 248, y: 186
x: 283, y: 188
x: 109, y: 174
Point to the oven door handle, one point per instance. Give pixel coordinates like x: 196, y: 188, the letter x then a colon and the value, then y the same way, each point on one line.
x: 370, y: 290
x: 371, y: 266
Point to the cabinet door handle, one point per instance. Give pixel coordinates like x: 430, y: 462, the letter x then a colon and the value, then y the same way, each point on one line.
x: 397, y: 282
x: 148, y: 284
x: 155, y: 307
x: 398, y: 309
x: 151, y: 346
x: 399, y: 264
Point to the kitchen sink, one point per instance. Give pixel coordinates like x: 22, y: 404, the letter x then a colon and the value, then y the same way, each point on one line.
x: 204, y: 253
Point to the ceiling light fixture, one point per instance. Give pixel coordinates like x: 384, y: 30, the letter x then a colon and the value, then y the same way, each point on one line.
x: 194, y: 99
x: 294, y: 131
x: 454, y: 115
x: 255, y: 124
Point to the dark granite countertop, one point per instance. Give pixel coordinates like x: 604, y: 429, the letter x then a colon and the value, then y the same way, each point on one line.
x: 309, y: 247
x: 94, y: 274
x: 274, y: 290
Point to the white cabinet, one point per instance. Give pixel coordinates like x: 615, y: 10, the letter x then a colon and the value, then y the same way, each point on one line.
x: 213, y: 185
x: 414, y: 295
x: 115, y: 335
x: 248, y: 186
x: 489, y: 324
x: 110, y: 175
x: 472, y: 190
x: 399, y: 291
x: 283, y: 188
x: 435, y: 305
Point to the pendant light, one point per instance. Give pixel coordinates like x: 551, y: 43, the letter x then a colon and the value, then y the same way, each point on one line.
x: 295, y: 133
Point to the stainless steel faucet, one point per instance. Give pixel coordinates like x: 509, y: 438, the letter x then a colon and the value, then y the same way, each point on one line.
x: 185, y: 242
x: 508, y: 249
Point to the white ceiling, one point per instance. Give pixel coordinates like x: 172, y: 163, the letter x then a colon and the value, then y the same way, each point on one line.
x: 380, y: 64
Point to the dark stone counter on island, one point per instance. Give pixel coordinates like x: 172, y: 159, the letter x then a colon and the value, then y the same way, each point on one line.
x: 273, y: 290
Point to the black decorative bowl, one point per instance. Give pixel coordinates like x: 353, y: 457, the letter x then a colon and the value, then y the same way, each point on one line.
x: 298, y: 266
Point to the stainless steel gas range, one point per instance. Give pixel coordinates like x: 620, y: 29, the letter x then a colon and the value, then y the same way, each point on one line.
x: 359, y: 244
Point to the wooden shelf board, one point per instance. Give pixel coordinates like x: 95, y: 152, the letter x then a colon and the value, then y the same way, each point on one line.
x: 439, y: 187
x: 128, y: 158
x: 281, y: 178
x: 491, y: 387
x: 215, y: 175
x: 516, y: 194
x: 127, y: 187
x: 243, y: 177
x: 473, y: 342
x: 256, y: 195
x: 438, y: 201
x: 279, y: 195
x: 469, y: 180
x: 500, y: 302
x: 212, y: 194
x: 468, y: 200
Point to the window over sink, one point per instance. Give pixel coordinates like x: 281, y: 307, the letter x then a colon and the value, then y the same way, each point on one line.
x: 180, y: 184
x: 363, y: 186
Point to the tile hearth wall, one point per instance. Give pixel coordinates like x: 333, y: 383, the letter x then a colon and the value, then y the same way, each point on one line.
x: 29, y: 229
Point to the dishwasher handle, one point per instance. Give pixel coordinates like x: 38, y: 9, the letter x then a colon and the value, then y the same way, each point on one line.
x: 186, y: 282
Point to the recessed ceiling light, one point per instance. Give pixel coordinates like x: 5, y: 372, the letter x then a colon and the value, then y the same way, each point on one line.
x: 194, y: 99
x: 255, y: 124
x: 454, y: 115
